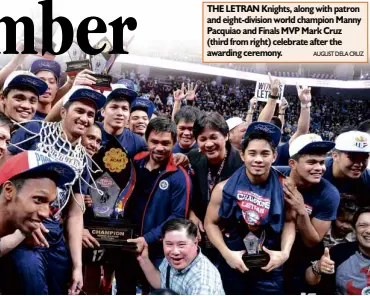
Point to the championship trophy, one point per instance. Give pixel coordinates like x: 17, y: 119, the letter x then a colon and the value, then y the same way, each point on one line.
x: 116, y: 181
x: 78, y: 59
x: 101, y: 64
x: 255, y: 256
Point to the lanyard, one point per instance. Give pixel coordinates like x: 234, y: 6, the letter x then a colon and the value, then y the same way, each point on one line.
x: 212, y: 180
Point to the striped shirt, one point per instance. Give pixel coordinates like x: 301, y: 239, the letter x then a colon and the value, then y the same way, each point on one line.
x: 200, y: 277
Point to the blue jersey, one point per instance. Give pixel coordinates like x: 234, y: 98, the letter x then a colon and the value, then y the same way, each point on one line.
x: 321, y: 200
x: 354, y: 190
x: 282, y: 154
x: 249, y: 207
x: 132, y: 142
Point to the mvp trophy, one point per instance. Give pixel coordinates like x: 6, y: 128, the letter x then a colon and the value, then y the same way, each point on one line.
x: 78, y: 60
x: 255, y: 257
x: 109, y: 226
x: 101, y: 64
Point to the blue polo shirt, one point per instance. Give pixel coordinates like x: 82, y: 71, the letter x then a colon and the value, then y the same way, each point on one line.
x: 178, y: 149
x: 132, y: 142
x: 355, y: 190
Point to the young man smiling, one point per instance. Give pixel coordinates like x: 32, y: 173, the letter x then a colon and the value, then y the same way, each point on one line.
x: 59, y: 141
x: 347, y: 168
x: 141, y: 112
x: 313, y: 200
x: 250, y: 204
x: 20, y: 95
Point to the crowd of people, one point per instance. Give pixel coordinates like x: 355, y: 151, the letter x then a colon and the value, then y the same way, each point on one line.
x: 184, y: 187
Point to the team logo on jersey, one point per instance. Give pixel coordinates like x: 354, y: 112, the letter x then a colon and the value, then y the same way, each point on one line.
x: 361, y: 142
x: 163, y: 184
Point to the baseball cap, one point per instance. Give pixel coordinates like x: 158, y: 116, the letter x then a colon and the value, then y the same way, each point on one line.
x: 35, y: 161
x: 143, y: 104
x: 25, y: 78
x: 233, y: 122
x: 78, y: 92
x: 309, y: 142
x: 123, y: 87
x: 353, y: 141
x: 264, y: 127
x: 46, y: 65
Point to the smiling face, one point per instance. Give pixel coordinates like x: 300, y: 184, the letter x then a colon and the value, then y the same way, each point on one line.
x: 91, y: 140
x: 180, y: 249
x: 28, y: 206
x: 20, y: 105
x: 310, y: 168
x: 160, y: 146
x: 185, y: 134
x: 77, y: 118
x: 139, y: 121
x: 363, y: 231
x: 212, y: 143
x: 258, y: 158
x: 351, y: 164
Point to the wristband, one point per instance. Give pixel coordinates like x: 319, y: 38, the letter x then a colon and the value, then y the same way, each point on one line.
x: 308, y: 105
x: 315, y: 268
x: 273, y: 97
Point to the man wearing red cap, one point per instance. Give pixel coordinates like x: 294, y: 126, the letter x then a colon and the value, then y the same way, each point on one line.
x: 28, y: 184
x: 61, y: 141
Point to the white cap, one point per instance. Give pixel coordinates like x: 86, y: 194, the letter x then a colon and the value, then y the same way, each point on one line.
x: 25, y: 78
x: 233, y: 122
x: 353, y: 141
x: 309, y: 142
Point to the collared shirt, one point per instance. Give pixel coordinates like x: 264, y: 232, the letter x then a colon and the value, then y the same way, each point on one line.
x: 200, y: 277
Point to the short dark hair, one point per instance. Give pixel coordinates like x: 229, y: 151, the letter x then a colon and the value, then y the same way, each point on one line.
x: 213, y: 120
x: 257, y: 136
x: 187, y: 114
x: 313, y: 151
x: 358, y: 213
x: 20, y: 179
x: 364, y: 126
x: 117, y: 98
x: 20, y: 87
x: 161, y: 124
x: 276, y: 121
x: 178, y: 224
x: 5, y: 120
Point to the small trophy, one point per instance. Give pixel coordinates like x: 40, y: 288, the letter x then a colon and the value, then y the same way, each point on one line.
x: 109, y: 226
x: 255, y: 257
x: 38, y: 44
x: 101, y: 64
x: 78, y: 59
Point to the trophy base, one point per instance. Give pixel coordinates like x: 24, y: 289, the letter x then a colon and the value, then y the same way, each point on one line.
x: 74, y: 67
x: 114, y: 236
x: 103, y: 82
x: 256, y: 260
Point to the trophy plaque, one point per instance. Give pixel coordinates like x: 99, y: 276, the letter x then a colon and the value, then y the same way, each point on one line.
x: 255, y: 257
x: 78, y: 61
x: 101, y: 64
x: 116, y: 181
